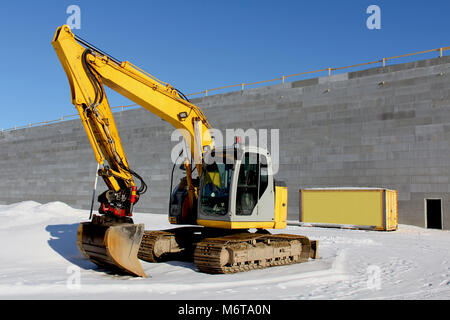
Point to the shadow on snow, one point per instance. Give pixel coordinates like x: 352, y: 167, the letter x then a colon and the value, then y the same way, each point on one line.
x: 64, y: 241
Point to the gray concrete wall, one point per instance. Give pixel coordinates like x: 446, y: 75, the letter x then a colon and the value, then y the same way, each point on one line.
x: 381, y: 127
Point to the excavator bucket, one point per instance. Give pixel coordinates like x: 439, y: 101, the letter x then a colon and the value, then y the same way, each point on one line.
x: 113, y: 247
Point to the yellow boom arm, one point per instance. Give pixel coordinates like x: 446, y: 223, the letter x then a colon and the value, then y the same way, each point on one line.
x: 88, y: 69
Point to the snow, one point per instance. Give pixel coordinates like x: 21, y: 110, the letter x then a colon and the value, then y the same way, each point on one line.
x: 39, y: 260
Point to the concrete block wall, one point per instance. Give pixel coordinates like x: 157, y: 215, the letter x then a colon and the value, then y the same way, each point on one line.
x: 380, y: 127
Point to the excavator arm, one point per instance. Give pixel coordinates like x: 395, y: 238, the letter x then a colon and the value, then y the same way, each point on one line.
x: 88, y: 69
x: 112, y: 239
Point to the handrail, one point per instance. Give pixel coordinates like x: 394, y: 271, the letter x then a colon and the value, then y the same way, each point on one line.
x: 63, y: 118
x: 330, y: 70
x: 243, y: 85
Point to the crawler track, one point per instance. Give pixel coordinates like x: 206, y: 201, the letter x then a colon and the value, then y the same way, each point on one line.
x: 247, y: 251
x: 146, y: 250
x: 172, y: 244
x: 229, y: 253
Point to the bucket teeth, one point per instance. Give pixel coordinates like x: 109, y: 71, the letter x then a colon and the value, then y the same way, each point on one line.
x: 114, y: 247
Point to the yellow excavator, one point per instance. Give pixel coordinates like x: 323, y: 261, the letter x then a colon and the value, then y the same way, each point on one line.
x: 232, y: 191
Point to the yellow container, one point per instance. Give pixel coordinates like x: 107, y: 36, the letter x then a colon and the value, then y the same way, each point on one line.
x: 359, y: 208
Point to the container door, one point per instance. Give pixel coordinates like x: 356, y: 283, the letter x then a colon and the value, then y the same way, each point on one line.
x: 391, y: 210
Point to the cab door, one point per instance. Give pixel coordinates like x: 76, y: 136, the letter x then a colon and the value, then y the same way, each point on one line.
x: 254, y: 198
x: 248, y: 185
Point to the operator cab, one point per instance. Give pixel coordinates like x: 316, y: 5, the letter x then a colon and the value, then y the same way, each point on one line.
x: 236, y: 187
x: 235, y: 191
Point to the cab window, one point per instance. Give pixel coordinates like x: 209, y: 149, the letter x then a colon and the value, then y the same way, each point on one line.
x: 247, y: 188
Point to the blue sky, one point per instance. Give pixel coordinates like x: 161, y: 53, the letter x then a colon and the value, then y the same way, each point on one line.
x: 195, y: 45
